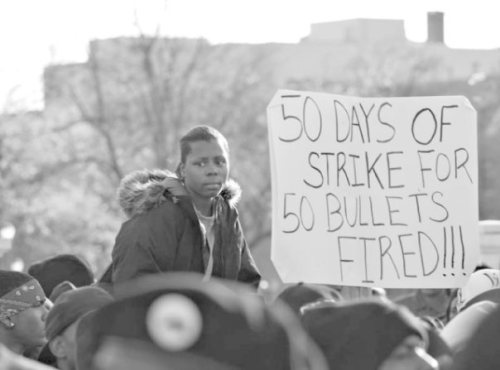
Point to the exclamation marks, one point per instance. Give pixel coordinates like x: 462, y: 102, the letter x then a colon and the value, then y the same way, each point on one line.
x: 453, y: 251
x: 444, y: 250
x: 462, y: 264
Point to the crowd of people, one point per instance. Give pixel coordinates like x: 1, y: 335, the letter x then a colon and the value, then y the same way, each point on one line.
x: 182, y: 291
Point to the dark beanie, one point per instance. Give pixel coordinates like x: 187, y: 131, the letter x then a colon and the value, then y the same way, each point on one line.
x: 71, y: 305
x: 186, y: 323
x: 55, y: 270
x: 298, y: 295
x: 9, y: 280
x: 361, y: 334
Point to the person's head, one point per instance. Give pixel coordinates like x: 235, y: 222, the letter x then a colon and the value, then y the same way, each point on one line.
x: 178, y: 321
x: 204, y: 165
x: 299, y: 295
x: 479, y: 282
x: 54, y: 270
x: 63, y: 319
x: 369, y: 334
x: 23, y: 310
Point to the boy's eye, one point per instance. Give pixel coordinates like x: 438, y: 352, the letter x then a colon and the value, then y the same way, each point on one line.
x: 200, y: 164
x: 220, y: 162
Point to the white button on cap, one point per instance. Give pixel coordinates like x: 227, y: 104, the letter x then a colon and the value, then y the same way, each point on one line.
x: 174, y: 322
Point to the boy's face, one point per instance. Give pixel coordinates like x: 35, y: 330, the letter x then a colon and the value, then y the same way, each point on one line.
x: 29, y: 325
x: 206, y: 169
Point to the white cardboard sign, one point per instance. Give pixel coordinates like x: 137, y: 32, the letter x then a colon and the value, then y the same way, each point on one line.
x: 373, y: 191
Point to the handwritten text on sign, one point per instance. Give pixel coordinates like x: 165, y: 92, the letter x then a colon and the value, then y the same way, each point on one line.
x: 373, y: 191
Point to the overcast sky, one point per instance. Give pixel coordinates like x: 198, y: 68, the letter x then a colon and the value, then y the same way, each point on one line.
x: 36, y: 32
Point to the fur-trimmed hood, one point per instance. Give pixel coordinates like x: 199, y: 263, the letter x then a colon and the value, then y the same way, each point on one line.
x: 142, y: 190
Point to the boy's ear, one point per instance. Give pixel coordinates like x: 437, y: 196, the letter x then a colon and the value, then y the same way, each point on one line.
x: 181, y: 171
x: 58, y: 346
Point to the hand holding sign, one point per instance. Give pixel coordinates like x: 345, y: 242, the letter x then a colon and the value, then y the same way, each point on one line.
x: 373, y: 191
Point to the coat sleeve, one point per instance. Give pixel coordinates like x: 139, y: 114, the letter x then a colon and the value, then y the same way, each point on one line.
x: 249, y: 273
x: 135, y: 260
x: 144, y: 247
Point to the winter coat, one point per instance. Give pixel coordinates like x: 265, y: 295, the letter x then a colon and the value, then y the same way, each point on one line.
x: 164, y: 234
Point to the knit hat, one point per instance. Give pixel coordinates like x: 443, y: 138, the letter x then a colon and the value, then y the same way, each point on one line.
x: 298, y: 295
x: 54, y: 270
x: 479, y: 282
x: 180, y: 321
x: 71, y: 305
x: 361, y: 334
x: 18, y: 292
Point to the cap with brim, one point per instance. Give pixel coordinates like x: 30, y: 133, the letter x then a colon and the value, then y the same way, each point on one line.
x: 52, y: 271
x: 178, y: 317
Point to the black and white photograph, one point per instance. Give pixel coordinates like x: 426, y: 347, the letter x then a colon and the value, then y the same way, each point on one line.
x: 249, y: 185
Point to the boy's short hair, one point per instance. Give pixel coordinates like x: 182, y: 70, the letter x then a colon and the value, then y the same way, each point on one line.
x: 201, y: 133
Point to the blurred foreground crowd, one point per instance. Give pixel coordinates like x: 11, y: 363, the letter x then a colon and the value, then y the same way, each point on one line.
x: 58, y: 316
x: 183, y: 292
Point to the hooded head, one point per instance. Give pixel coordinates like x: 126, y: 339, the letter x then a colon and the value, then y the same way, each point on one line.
x: 177, y: 320
x: 143, y: 190
x: 361, y: 334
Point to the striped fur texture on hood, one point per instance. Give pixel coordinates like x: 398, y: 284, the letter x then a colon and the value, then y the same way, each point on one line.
x: 142, y: 190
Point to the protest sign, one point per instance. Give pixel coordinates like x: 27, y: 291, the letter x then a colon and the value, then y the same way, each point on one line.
x: 373, y: 191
